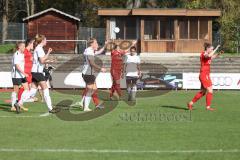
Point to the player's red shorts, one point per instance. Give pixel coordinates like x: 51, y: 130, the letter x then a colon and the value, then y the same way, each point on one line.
x: 116, y: 74
x: 205, y: 80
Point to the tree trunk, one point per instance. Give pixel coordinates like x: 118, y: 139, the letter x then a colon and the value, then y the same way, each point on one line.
x: 32, y: 7
x: 5, y: 21
x: 151, y: 4
x: 133, y: 4
x: 28, y: 8
x: 129, y: 4
x: 137, y: 3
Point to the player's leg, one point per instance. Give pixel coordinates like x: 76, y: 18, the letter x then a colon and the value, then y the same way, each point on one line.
x: 134, y: 89
x: 14, y: 96
x: 112, y: 90
x: 25, y: 95
x: 21, y: 89
x: 129, y: 87
x: 198, y: 96
x: 118, y: 88
x: 88, y: 96
x: 46, y: 95
x: 209, y: 97
x: 33, y: 91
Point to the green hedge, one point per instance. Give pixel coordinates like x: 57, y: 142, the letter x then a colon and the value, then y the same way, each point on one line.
x: 6, y: 48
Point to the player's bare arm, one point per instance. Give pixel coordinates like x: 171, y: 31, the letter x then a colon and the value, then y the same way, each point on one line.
x: 20, y: 70
x: 100, y: 51
x: 212, y: 53
x: 45, y: 59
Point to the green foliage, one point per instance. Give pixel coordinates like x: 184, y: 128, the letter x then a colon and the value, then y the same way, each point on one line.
x: 6, y: 48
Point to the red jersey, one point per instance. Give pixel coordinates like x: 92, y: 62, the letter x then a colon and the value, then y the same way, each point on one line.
x: 205, y: 64
x: 28, y: 61
x: 117, y: 59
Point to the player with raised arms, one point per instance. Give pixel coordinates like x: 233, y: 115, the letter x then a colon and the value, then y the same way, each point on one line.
x: 132, y: 71
x: 90, y: 70
x: 116, y: 68
x: 206, y: 84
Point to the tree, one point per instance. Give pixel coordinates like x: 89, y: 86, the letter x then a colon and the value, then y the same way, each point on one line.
x: 4, y: 20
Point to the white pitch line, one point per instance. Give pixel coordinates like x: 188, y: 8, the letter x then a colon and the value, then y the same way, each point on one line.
x: 21, y: 116
x: 119, y: 151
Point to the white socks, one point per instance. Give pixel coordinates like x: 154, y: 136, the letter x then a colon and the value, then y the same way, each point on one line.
x: 87, y: 99
x: 32, y: 92
x: 24, y: 97
x: 47, y: 99
x: 13, y: 98
x: 129, y: 90
x: 134, y: 91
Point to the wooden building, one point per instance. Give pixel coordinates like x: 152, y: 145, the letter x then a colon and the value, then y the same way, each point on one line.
x: 60, y: 29
x: 161, y: 30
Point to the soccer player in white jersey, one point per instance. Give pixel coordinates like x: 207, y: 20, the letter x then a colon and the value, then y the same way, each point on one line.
x: 39, y: 60
x: 19, y: 78
x: 132, y: 71
x: 90, y: 70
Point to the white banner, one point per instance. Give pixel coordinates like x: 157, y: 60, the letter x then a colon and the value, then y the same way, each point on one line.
x: 66, y: 80
x: 219, y: 80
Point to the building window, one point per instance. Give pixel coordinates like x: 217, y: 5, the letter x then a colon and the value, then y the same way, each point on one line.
x: 150, y: 29
x: 203, y: 29
x: 131, y: 30
x: 120, y: 22
x: 127, y: 26
x: 193, y: 29
x: 166, y: 29
x: 183, y: 29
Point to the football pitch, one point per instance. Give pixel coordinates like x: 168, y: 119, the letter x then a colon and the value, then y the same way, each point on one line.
x: 157, y: 127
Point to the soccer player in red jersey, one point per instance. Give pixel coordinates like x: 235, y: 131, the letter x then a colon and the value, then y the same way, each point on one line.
x: 206, y: 84
x: 28, y: 58
x: 116, y: 68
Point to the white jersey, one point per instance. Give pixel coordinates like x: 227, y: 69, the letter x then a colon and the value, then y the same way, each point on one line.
x: 131, y: 63
x: 88, y: 55
x: 37, y: 54
x: 18, y: 59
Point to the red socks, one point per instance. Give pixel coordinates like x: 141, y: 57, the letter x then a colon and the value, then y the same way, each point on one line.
x: 118, y: 89
x: 198, y: 96
x: 115, y: 87
x: 21, y: 89
x: 209, y: 97
x: 94, y: 96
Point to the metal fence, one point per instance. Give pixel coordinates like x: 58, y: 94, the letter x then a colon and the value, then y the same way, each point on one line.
x: 18, y: 32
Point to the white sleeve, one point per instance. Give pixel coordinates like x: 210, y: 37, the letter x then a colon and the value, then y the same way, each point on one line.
x: 16, y: 59
x: 40, y: 53
x: 138, y: 60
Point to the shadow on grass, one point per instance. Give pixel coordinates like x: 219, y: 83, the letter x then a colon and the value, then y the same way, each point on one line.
x: 5, y: 107
x: 175, y: 107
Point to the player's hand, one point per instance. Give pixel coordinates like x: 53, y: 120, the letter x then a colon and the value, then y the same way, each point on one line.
x: 221, y: 52
x: 122, y: 75
x: 49, y: 50
x: 26, y: 75
x: 106, y: 42
x: 139, y: 74
x: 103, y: 69
x: 134, y: 42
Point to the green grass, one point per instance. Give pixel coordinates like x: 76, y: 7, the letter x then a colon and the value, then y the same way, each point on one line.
x: 202, y: 131
x: 6, y: 48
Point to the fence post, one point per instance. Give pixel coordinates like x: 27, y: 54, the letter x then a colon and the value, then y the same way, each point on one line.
x: 23, y: 31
